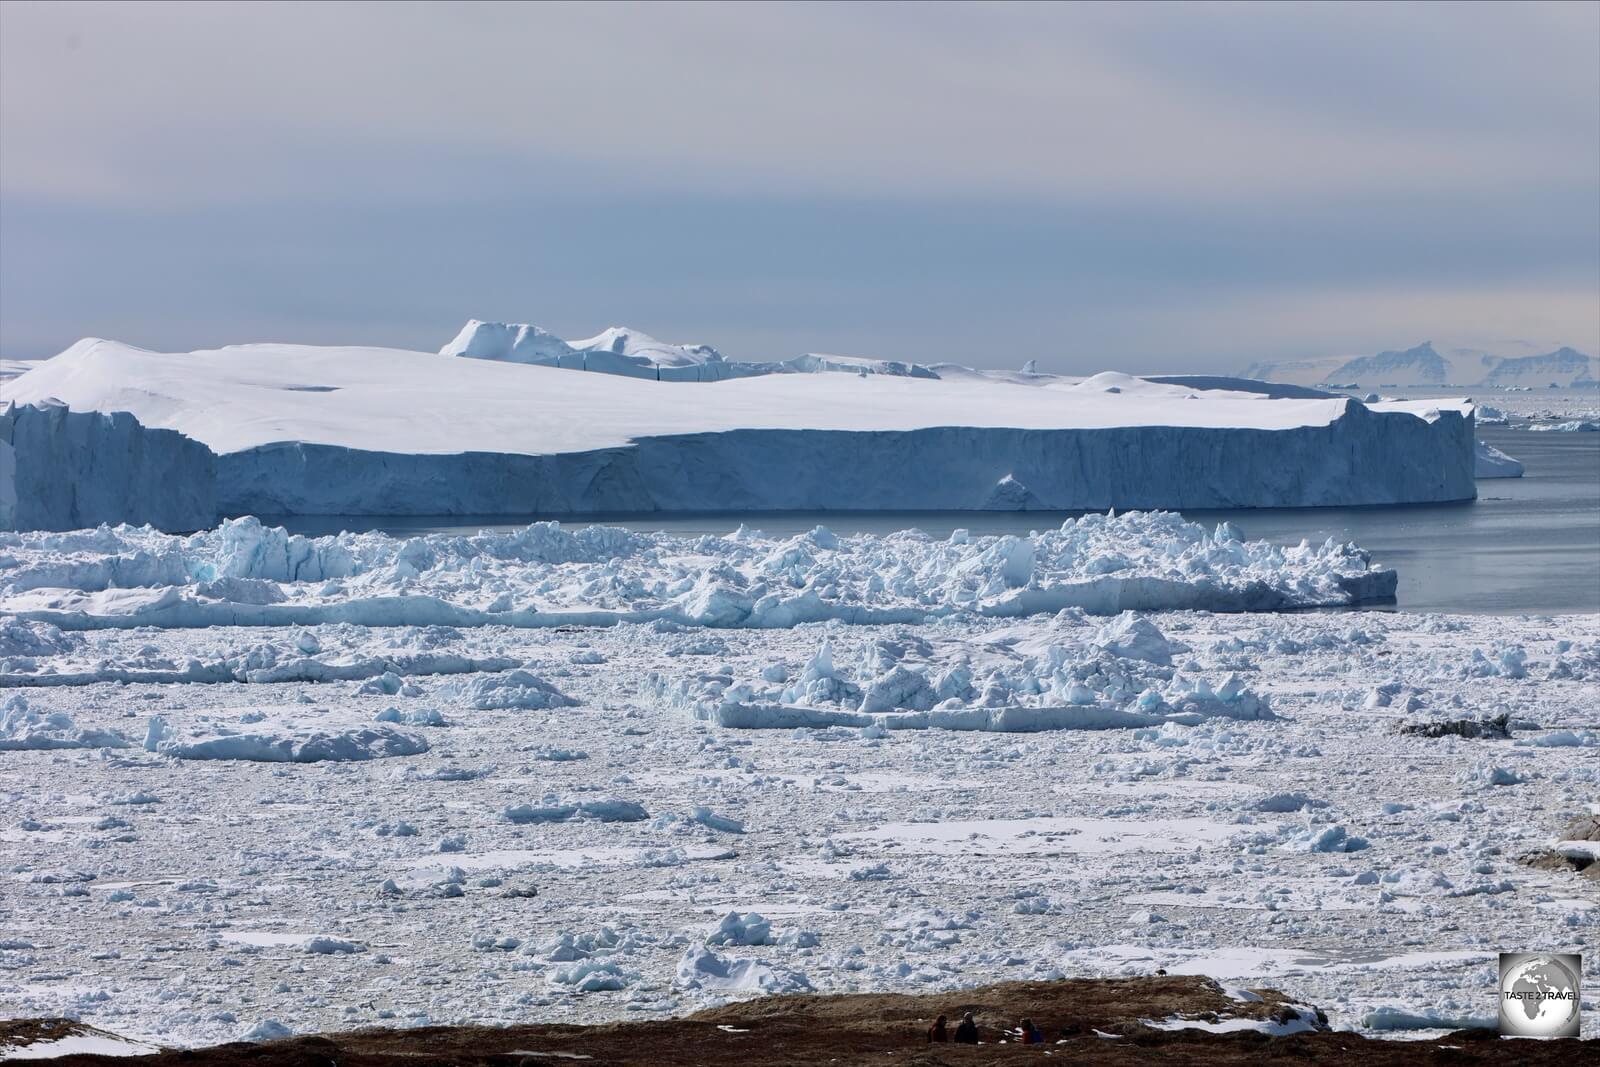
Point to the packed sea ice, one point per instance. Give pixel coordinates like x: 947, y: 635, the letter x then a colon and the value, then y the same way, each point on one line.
x: 245, y: 574
x: 256, y: 784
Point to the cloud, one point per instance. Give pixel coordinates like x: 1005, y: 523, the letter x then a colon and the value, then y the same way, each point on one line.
x: 1204, y: 100
x: 954, y: 181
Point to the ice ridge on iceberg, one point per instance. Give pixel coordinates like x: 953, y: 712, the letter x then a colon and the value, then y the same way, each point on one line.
x: 64, y: 470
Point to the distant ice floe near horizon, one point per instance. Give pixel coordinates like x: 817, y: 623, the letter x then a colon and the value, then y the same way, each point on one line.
x: 1569, y: 426
x: 245, y: 574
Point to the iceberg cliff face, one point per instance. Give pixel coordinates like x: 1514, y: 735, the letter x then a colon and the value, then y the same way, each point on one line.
x: 1362, y: 457
x: 64, y: 470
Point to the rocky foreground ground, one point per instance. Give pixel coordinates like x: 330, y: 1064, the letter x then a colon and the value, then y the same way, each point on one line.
x: 1158, y: 1019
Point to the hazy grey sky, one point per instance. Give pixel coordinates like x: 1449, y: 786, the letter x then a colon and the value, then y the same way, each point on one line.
x: 1136, y: 186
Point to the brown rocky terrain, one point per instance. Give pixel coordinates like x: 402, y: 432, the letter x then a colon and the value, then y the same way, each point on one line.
x: 1099, y: 1021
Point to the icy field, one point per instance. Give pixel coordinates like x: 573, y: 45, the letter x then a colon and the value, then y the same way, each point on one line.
x: 341, y: 825
x: 1535, y: 405
x: 243, y: 573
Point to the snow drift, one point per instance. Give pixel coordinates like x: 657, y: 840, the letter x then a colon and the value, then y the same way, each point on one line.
x: 301, y: 430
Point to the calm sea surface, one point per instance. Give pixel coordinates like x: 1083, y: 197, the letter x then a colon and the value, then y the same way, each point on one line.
x: 1526, y: 545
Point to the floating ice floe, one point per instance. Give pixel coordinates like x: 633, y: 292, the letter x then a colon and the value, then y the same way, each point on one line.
x: 514, y: 689
x: 736, y: 929
x: 43, y: 655
x: 282, y: 739
x: 245, y: 574
x: 1062, y: 687
x: 1328, y: 839
x: 702, y: 969
x: 1570, y: 426
x: 710, y: 819
x: 1490, y: 462
x: 569, y: 946
x: 563, y: 809
x: 1392, y: 1017
x: 24, y: 729
x: 412, y: 717
x: 267, y: 1030
x: 591, y: 976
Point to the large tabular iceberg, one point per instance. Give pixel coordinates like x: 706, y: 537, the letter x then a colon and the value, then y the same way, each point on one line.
x: 301, y: 430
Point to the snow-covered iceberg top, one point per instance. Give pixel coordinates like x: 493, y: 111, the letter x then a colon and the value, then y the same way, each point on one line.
x: 243, y: 573
x: 417, y: 403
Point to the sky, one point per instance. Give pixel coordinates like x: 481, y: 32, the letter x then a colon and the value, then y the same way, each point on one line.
x: 1140, y: 187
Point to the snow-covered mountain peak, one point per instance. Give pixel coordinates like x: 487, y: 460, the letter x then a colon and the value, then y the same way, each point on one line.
x: 1425, y: 365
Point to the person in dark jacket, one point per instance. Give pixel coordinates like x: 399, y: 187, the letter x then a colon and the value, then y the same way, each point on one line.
x: 1030, y: 1033
x: 967, y: 1032
x: 939, y: 1031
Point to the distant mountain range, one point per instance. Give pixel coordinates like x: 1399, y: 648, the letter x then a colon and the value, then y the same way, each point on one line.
x: 1426, y: 365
